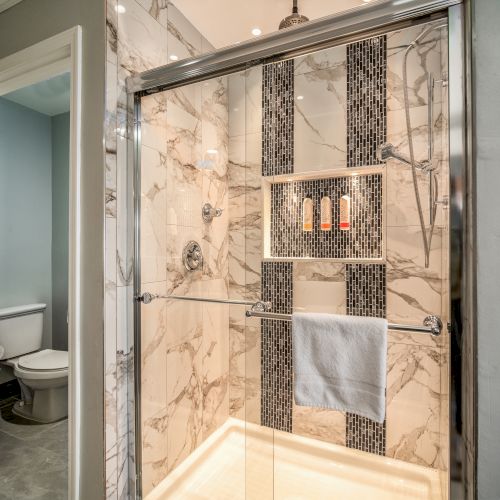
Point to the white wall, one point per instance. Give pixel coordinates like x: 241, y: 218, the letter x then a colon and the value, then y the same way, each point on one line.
x: 486, y: 93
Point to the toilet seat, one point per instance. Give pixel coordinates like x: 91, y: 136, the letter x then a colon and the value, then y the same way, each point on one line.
x: 48, y: 359
x: 46, y: 364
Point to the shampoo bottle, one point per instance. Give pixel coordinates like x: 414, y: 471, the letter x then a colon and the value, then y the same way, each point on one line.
x: 326, y: 213
x: 345, y: 213
x: 307, y: 213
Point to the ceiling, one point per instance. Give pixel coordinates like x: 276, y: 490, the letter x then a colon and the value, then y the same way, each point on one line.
x: 226, y: 22
x: 50, y: 97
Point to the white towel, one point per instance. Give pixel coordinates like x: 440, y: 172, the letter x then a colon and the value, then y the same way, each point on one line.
x: 339, y: 362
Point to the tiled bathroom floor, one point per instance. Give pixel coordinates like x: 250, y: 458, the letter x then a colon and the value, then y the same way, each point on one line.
x: 33, y: 461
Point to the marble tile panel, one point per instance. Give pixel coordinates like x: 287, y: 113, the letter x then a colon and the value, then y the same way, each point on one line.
x: 110, y: 123
x: 124, y: 371
x: 253, y: 100
x: 153, y: 207
x: 142, y: 41
x: 111, y: 31
x: 154, y: 121
x: 184, y: 40
x: 157, y: 9
x: 215, y: 127
x: 413, y: 404
x: 154, y: 354
x: 253, y: 370
x: 319, y: 423
x: 184, y: 321
x: 413, y: 291
x: 154, y: 450
x: 236, y: 259
x: 185, y: 400
x: 215, y: 384
x: 320, y: 136
x: 124, y: 213
x: 236, y: 84
x: 237, y: 352
x: 333, y: 58
x: 424, y: 59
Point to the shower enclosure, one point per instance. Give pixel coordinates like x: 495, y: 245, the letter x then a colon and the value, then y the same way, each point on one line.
x: 226, y: 149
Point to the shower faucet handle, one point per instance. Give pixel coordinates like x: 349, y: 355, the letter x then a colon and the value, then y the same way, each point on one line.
x: 208, y: 212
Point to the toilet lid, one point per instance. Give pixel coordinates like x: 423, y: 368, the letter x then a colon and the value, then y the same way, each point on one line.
x: 47, y: 359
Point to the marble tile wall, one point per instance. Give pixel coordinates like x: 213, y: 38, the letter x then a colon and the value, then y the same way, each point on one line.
x: 141, y: 35
x: 418, y: 365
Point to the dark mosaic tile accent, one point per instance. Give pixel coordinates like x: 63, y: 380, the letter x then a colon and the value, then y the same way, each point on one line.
x: 362, y: 241
x: 366, y: 100
x: 277, y: 118
x: 366, y: 290
x: 276, y: 348
x: 365, y: 434
x: 365, y: 296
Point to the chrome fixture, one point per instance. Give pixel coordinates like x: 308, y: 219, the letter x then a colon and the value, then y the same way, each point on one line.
x: 192, y: 256
x: 258, y: 307
x: 387, y: 150
x: 432, y: 324
x: 294, y: 18
x: 208, y: 212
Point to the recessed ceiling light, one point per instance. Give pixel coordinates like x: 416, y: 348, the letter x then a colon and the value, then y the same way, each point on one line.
x: 120, y: 9
x: 300, y: 97
x: 173, y: 57
x: 212, y: 151
x: 256, y: 32
x: 366, y: 1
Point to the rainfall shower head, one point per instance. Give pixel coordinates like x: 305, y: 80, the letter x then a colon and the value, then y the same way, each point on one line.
x: 294, y: 18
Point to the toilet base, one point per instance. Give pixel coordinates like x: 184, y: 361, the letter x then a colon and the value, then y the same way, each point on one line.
x: 47, y: 406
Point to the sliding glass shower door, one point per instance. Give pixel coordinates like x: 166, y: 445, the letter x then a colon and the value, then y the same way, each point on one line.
x: 229, y: 168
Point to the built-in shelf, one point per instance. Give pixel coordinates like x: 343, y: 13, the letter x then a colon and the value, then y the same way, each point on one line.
x: 283, y: 195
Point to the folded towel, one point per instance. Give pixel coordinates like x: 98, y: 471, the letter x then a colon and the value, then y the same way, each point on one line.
x: 339, y: 362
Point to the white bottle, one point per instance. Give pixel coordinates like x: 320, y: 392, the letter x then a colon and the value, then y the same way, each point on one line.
x: 326, y: 213
x: 307, y: 213
x: 345, y: 213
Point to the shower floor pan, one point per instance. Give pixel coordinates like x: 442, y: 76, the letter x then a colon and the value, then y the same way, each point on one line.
x: 250, y: 462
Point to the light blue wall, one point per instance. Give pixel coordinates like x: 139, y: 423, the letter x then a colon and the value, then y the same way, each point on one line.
x: 60, y: 221
x: 25, y: 209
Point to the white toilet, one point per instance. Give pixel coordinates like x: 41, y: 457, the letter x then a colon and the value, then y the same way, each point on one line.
x: 42, y: 374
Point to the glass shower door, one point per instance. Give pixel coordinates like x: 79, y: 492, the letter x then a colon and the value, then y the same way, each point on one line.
x: 226, y: 165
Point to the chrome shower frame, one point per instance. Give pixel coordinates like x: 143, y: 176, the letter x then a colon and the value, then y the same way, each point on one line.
x: 372, y: 19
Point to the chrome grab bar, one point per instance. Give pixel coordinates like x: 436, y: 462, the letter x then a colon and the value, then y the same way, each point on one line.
x: 259, y: 306
x: 432, y: 324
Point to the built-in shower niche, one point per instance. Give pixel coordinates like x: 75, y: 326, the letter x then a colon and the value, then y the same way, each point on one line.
x: 283, y: 198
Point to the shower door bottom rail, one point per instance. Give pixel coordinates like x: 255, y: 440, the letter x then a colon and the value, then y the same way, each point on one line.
x: 431, y: 324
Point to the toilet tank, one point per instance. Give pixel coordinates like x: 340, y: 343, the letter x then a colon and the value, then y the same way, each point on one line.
x: 21, y: 330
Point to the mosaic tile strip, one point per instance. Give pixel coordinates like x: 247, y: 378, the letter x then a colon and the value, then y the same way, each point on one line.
x: 276, y: 348
x: 365, y: 434
x: 277, y: 118
x: 362, y: 241
x: 365, y: 296
x: 366, y: 290
x: 366, y: 100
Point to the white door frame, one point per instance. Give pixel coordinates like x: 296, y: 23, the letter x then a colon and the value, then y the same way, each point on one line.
x: 61, y: 53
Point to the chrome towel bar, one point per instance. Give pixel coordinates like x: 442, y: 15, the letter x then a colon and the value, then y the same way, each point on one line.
x: 432, y: 324
x: 258, y: 306
x: 261, y: 309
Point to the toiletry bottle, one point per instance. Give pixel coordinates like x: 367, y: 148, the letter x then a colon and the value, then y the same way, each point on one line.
x: 307, y: 213
x: 345, y: 213
x: 326, y: 213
